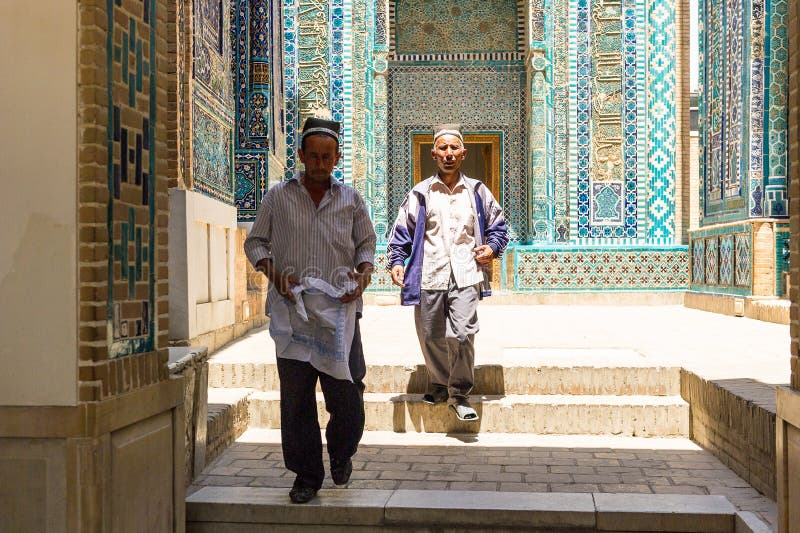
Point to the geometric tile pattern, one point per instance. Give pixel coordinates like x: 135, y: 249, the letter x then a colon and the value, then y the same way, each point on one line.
x: 340, y: 84
x: 712, y: 261
x: 698, y: 261
x: 211, y: 152
x: 744, y: 259
x: 743, y: 79
x: 722, y: 259
x: 600, y: 268
x: 251, y: 23
x: 607, y: 69
x: 781, y: 258
x: 211, y: 53
x: 541, y: 181
x: 482, y: 26
x: 131, y: 58
x: 661, y: 140
x: 483, y: 97
x: 558, y: 31
x: 776, y: 202
x: 726, y: 260
x: 213, y: 106
x: 291, y: 74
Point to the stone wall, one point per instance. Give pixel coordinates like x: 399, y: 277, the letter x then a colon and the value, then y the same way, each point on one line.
x: 788, y: 425
x: 122, y: 221
x: 735, y: 420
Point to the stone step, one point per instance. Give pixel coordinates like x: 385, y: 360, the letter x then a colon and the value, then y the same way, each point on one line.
x: 489, y: 379
x: 251, y: 509
x: 228, y: 417
x: 641, y: 416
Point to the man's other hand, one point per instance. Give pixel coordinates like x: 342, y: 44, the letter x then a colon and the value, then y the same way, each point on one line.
x: 484, y: 254
x: 362, y: 279
x: 284, y: 284
x: 399, y: 275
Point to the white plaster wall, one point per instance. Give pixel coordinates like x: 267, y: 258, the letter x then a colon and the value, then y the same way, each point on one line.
x: 201, y: 264
x: 38, y: 210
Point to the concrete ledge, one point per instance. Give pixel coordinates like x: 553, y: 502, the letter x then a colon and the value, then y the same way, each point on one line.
x: 678, y: 512
x: 476, y: 508
x: 247, y: 508
x: 747, y: 522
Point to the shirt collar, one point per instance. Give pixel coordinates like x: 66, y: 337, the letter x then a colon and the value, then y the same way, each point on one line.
x: 335, y: 185
x: 460, y: 183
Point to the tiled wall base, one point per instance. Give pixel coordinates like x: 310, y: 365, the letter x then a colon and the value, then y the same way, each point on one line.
x: 740, y: 258
x: 563, y: 269
x: 735, y: 420
x: 115, y: 465
x: 788, y: 453
x: 584, y: 268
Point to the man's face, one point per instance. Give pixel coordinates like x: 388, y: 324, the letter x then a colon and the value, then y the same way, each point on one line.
x: 320, y: 156
x: 448, y: 152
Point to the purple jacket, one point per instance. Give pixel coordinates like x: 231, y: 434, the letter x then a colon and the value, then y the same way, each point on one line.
x: 405, y: 244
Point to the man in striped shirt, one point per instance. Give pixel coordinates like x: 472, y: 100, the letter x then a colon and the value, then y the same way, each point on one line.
x: 312, y: 226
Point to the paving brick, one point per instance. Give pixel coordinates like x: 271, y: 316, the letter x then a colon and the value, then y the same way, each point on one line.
x: 429, y: 467
x: 548, y: 478
x: 621, y: 487
x: 559, y: 469
x: 502, y: 476
x: 474, y: 485
x: 523, y: 487
x: 423, y: 485
x: 451, y: 476
x: 402, y: 475
x: 478, y: 468
x: 374, y: 465
x: 574, y: 487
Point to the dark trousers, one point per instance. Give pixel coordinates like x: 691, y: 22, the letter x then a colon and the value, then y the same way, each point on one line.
x: 300, y: 432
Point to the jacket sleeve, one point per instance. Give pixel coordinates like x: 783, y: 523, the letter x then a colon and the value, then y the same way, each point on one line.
x: 495, y: 230
x: 402, y: 235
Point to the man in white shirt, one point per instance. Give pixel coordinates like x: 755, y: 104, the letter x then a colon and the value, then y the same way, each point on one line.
x: 448, y: 229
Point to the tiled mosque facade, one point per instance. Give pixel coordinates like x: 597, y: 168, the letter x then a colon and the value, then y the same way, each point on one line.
x: 584, y: 102
x: 742, y: 245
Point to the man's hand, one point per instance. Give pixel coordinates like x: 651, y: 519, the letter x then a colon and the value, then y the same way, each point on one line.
x: 399, y: 275
x: 363, y: 277
x: 283, y: 283
x: 483, y: 254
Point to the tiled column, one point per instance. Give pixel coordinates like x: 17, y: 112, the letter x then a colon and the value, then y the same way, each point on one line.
x: 91, y: 426
x: 788, y: 402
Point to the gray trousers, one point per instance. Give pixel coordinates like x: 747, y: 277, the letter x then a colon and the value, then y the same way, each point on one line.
x: 447, y: 322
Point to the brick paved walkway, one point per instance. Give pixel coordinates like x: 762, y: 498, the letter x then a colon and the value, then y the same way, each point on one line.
x: 504, y: 462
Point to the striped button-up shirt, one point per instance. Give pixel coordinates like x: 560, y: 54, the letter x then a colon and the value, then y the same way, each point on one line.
x: 326, y: 241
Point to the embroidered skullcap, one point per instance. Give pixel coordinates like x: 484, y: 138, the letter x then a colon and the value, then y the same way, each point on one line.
x: 447, y: 129
x: 321, y: 126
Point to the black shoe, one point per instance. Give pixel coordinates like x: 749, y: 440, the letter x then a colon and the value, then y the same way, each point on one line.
x: 301, y: 493
x: 341, y: 470
x: 438, y: 395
